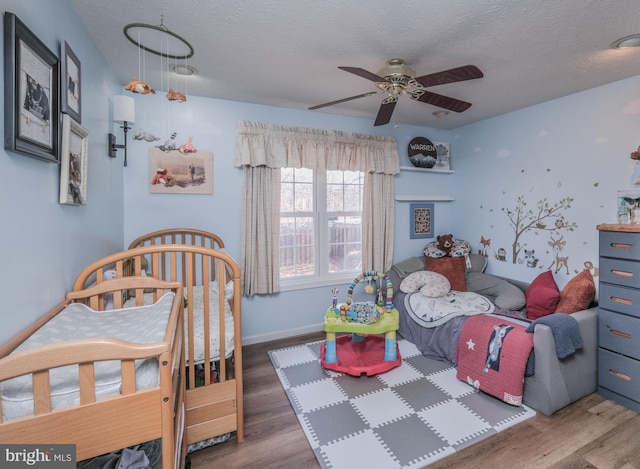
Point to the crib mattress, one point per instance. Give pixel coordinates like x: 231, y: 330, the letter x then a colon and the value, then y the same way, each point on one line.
x: 142, y: 325
x: 198, y: 322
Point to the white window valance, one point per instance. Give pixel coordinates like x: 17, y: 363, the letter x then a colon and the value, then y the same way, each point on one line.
x: 277, y: 146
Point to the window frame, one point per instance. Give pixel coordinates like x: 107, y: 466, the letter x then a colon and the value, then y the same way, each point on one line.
x: 320, y: 215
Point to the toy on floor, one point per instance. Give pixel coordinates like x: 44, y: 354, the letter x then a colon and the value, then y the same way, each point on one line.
x: 365, y: 351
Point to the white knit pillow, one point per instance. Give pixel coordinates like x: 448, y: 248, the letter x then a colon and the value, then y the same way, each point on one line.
x: 436, y: 287
x: 431, y: 284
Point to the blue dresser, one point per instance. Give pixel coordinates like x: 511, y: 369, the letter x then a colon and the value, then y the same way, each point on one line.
x: 619, y: 315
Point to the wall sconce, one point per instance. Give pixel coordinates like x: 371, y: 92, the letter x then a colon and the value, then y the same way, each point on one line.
x: 124, y: 112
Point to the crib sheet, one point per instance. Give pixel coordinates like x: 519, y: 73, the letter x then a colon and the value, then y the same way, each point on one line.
x: 142, y: 325
x: 198, y: 322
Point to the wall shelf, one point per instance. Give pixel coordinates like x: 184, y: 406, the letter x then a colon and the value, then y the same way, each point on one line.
x: 424, y: 198
x: 426, y: 170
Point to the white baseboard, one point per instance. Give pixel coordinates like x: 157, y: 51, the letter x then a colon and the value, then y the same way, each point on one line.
x: 257, y: 339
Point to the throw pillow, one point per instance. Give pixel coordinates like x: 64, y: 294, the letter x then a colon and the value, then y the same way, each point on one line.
x: 451, y: 267
x: 542, y: 296
x: 505, y: 295
x: 577, y: 294
x: 433, y: 283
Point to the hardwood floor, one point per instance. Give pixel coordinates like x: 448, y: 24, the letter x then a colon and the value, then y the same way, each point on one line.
x: 591, y: 433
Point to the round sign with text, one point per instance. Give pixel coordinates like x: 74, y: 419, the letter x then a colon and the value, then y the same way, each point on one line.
x: 422, y: 153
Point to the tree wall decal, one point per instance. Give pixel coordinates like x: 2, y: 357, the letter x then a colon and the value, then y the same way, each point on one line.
x: 546, y: 217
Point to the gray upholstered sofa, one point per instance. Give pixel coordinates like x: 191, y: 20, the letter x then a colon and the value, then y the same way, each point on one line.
x: 556, y: 382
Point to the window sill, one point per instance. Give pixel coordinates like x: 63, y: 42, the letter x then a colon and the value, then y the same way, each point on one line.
x: 303, y: 284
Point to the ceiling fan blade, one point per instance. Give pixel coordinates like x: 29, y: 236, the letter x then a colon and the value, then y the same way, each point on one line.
x: 343, y: 100
x: 444, y: 102
x: 467, y: 72
x: 385, y: 111
x: 361, y: 72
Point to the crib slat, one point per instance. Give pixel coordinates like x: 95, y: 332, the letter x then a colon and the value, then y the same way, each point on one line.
x: 222, y: 334
x: 41, y: 393
x: 128, y: 368
x: 87, y: 379
x: 206, y: 311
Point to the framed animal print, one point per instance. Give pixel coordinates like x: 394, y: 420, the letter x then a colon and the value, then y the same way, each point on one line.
x: 421, y: 224
x: 73, y: 169
x: 30, y: 93
x: 70, y: 89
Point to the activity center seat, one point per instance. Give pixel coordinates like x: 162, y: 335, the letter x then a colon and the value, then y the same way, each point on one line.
x: 366, y: 350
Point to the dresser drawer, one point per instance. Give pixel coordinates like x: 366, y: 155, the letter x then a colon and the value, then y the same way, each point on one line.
x: 622, y: 299
x: 619, y: 374
x: 619, y: 333
x: 620, y: 244
x: 620, y: 272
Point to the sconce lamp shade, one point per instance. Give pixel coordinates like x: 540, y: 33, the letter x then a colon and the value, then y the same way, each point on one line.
x: 124, y: 109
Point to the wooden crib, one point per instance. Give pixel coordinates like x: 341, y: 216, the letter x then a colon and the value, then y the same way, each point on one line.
x: 97, y: 422
x: 214, y: 402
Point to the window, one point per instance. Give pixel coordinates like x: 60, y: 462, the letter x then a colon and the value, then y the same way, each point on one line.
x: 320, y: 226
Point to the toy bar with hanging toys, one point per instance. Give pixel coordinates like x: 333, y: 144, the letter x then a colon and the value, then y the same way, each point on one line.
x: 365, y: 312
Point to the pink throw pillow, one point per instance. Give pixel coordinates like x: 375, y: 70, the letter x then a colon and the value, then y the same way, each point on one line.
x: 542, y: 296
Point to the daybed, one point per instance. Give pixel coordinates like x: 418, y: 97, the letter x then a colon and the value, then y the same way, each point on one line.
x: 555, y: 383
x: 102, y: 388
x: 211, y: 279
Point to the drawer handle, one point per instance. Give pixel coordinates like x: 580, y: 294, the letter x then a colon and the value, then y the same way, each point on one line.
x: 622, y: 273
x: 624, y: 335
x: 619, y: 374
x: 622, y: 245
x: 617, y: 299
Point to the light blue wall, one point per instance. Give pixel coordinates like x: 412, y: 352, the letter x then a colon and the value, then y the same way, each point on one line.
x: 45, y: 244
x: 578, y: 146
x: 214, y: 126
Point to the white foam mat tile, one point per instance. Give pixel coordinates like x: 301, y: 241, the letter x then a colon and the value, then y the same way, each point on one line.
x: 453, y: 422
x: 292, y: 356
x: 408, y: 349
x: 371, y: 453
x: 317, y: 394
x: 399, y: 375
x: 446, y: 380
x: 374, y: 412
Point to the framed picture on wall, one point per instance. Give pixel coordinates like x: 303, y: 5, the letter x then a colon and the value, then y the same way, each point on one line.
x: 73, y: 168
x: 421, y: 223
x: 172, y: 172
x: 30, y: 93
x: 70, y: 89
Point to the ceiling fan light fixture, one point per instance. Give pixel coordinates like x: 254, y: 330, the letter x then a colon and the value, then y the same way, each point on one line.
x: 397, y: 68
x: 186, y: 70
x: 440, y: 114
x: 626, y: 42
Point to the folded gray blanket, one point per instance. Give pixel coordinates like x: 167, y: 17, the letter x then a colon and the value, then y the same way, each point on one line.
x: 566, y: 332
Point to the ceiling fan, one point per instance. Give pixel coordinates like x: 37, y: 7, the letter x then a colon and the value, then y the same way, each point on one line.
x: 398, y: 78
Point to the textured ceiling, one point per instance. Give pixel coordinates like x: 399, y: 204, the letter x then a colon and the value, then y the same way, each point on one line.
x: 286, y: 53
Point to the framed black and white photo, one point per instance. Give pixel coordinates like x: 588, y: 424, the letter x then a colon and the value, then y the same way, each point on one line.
x: 31, y: 93
x: 421, y: 220
x: 70, y: 89
x: 73, y: 168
